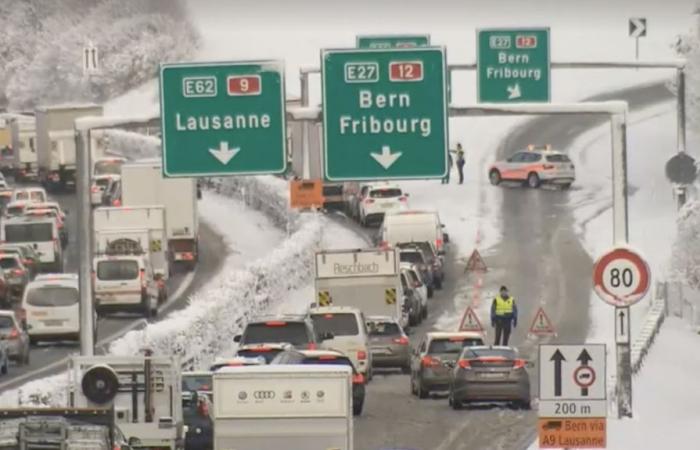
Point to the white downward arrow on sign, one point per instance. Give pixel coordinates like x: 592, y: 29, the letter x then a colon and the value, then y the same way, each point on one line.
x: 386, y: 158
x: 514, y: 91
x: 223, y: 153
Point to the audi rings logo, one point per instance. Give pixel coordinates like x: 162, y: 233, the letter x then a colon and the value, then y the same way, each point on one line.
x: 264, y: 395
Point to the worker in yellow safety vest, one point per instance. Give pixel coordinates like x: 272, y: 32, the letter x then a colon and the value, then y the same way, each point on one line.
x: 504, y: 313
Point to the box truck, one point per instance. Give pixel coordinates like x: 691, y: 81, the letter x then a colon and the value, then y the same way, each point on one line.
x: 367, y: 279
x: 133, y: 230
x: 23, y: 130
x: 55, y: 139
x: 143, y: 184
x: 273, y: 407
x: 144, y: 391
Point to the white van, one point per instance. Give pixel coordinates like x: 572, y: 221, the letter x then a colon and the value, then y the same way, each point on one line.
x: 125, y: 283
x: 42, y: 234
x: 348, y: 327
x: 51, y: 307
x: 413, y: 226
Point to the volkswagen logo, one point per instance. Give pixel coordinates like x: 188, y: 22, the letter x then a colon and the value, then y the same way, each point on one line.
x: 264, y: 395
x: 242, y: 395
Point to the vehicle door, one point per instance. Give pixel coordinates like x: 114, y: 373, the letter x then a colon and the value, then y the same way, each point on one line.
x: 119, y: 280
x: 513, y: 169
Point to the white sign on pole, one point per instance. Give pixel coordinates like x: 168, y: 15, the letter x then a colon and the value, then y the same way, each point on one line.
x: 622, y: 325
x: 572, y: 380
x: 90, y: 59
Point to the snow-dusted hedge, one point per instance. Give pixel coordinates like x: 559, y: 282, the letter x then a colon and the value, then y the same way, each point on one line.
x: 686, y: 248
x: 42, y: 42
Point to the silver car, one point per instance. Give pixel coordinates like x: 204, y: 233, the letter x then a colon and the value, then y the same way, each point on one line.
x: 490, y: 374
x: 388, y: 343
x: 14, y: 337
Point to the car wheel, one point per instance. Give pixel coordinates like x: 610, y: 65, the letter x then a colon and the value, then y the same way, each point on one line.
x: 357, y: 408
x: 413, y: 384
x: 406, y: 369
x: 438, y: 283
x: 412, y: 320
x: 33, y: 341
x: 495, y: 177
x: 526, y: 405
x: 533, y: 180
x: 422, y: 393
x: 425, y: 313
x: 4, y: 368
x: 565, y: 186
x: 26, y: 357
x: 431, y: 292
x: 454, y: 404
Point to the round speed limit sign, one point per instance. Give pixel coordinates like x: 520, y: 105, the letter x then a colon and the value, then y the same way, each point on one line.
x: 621, y: 277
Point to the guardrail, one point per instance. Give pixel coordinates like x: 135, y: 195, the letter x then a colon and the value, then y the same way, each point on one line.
x: 650, y: 327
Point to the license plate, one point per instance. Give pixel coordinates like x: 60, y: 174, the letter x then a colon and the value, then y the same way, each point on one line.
x: 492, y: 375
x: 380, y: 351
x: 53, y: 323
x: 387, y: 205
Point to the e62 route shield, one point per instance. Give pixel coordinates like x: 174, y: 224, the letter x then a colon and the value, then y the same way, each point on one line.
x: 384, y: 114
x: 223, y: 118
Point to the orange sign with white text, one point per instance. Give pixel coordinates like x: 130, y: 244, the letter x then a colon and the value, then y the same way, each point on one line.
x: 306, y: 194
x: 584, y: 432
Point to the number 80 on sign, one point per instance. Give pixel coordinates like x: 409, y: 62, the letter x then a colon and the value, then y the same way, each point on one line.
x: 621, y: 277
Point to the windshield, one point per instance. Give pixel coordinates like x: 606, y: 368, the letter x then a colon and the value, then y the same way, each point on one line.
x: 8, y: 263
x: 276, y: 331
x: 344, y: 324
x: 196, y: 383
x: 452, y: 346
x: 29, y: 232
x: 102, y: 182
x: 117, y: 270
x: 411, y: 257
x: 330, y: 360
x: 558, y: 158
x: 52, y: 296
x: 6, y: 322
x: 489, y: 353
x: 385, y: 193
x: 108, y: 167
x: 267, y: 353
x: 384, y: 329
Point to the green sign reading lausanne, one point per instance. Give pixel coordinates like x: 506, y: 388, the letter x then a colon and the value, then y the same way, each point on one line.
x: 393, y: 41
x: 513, y: 65
x: 384, y: 114
x: 223, y: 118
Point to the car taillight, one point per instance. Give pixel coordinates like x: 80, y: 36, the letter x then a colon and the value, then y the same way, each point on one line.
x: 519, y: 364
x: 358, y: 378
x: 312, y: 346
x: 548, y: 166
x: 327, y: 358
x: 142, y: 275
x: 18, y: 272
x: 429, y: 361
x: 384, y: 244
x: 27, y: 261
x: 116, y: 202
x: 438, y: 243
x: 361, y: 355
x: 369, y: 201
x: 95, y: 189
x: 403, y: 340
x: 275, y: 323
x: 14, y: 334
x: 464, y: 364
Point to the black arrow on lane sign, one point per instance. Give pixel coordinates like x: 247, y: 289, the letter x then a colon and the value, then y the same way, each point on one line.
x: 622, y: 322
x: 584, y: 358
x: 557, y: 357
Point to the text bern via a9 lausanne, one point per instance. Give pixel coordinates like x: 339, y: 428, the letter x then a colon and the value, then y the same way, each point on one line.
x: 384, y: 114
x: 223, y: 118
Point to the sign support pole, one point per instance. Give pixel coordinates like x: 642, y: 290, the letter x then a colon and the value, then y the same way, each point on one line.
x: 82, y: 144
x: 305, y: 163
x: 621, y: 236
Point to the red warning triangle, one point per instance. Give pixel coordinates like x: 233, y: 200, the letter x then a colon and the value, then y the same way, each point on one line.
x: 541, y: 325
x: 476, y: 263
x: 470, y: 321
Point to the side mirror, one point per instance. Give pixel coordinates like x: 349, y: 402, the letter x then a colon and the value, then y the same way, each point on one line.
x: 237, y: 338
x: 446, y: 238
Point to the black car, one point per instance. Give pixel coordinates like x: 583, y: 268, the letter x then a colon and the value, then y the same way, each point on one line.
x: 432, y: 259
x: 330, y: 357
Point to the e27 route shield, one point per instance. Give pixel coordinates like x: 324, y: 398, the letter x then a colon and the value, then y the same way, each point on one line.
x: 384, y: 113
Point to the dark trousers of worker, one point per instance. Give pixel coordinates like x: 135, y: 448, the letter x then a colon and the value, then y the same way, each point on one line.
x: 460, y: 169
x: 502, y: 331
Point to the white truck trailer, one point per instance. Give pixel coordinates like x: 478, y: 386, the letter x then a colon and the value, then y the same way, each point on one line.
x: 145, y: 392
x: 283, y: 407
x: 143, y: 184
x: 367, y: 279
x: 23, y: 131
x: 55, y: 140
x: 132, y: 229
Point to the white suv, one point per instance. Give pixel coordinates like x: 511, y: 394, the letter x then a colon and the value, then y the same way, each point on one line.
x: 126, y: 283
x: 378, y: 199
x: 348, y: 328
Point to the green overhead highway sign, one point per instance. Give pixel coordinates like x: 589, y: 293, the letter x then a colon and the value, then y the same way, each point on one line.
x: 513, y: 65
x: 393, y: 41
x: 384, y: 114
x: 223, y: 118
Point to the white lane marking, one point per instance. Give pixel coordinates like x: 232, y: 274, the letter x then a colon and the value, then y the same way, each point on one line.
x: 186, y: 282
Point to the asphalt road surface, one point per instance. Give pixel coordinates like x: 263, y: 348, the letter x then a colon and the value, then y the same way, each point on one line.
x: 48, y: 358
x: 542, y: 260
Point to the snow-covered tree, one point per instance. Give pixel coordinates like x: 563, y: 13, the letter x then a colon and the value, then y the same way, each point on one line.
x: 686, y: 249
x: 688, y: 46
x: 41, y: 49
